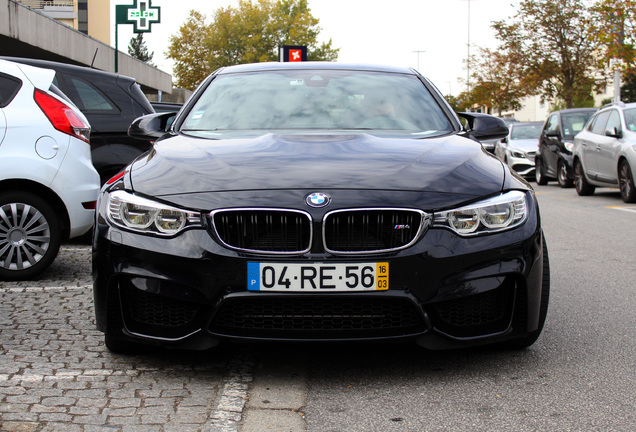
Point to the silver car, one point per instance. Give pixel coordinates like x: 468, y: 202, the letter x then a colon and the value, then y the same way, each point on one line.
x: 605, y: 152
x: 519, y: 148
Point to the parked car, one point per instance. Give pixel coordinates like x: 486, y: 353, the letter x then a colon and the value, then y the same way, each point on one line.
x: 554, y: 158
x: 162, y: 107
x: 318, y: 201
x: 110, y: 102
x: 48, y: 186
x: 605, y: 152
x: 519, y: 148
x: 490, y: 144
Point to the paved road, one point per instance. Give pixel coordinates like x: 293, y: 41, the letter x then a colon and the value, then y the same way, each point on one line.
x: 56, y: 375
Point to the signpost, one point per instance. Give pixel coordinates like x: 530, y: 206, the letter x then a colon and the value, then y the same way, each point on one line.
x: 140, y: 14
x: 292, y: 53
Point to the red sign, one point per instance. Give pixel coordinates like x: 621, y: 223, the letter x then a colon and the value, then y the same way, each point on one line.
x: 292, y: 53
x: 295, y: 55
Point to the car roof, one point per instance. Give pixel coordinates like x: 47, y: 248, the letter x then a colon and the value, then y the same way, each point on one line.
x: 620, y: 105
x: 260, y: 67
x: 526, y: 123
x: 41, y: 78
x: 74, y: 69
x: 568, y: 110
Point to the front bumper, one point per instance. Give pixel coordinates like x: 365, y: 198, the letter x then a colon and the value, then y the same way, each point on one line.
x: 445, y: 291
x: 523, y: 166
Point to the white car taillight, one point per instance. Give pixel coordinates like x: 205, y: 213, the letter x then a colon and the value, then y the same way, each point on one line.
x: 62, y: 117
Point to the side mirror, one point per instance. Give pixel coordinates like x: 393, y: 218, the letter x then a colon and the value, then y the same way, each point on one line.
x: 614, y: 133
x: 151, y: 126
x: 554, y: 133
x: 484, y: 126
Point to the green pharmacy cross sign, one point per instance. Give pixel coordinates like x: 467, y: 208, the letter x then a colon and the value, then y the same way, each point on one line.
x: 140, y: 14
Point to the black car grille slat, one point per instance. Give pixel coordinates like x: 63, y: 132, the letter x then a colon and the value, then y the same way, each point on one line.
x: 315, y: 318
x: 274, y: 231
x: 370, y: 230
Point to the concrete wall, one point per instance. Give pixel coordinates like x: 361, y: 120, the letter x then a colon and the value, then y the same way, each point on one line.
x: 25, y: 32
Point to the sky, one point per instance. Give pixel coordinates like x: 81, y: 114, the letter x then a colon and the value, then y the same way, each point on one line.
x: 429, y: 35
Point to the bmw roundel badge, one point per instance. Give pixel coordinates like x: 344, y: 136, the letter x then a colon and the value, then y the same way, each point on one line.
x: 317, y: 199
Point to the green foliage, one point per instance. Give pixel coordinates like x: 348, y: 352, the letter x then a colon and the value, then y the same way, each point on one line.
x: 614, y: 28
x: 628, y: 88
x: 248, y: 33
x: 495, y: 78
x: 547, y: 49
x: 137, y: 49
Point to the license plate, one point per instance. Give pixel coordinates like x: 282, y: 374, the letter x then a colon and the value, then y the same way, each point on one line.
x: 312, y: 277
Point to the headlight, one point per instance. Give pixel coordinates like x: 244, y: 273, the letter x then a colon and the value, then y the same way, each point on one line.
x: 492, y: 215
x: 569, y: 146
x: 147, y: 216
x: 517, y: 154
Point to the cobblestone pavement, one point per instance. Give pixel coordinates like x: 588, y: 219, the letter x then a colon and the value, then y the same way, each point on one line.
x: 57, y: 375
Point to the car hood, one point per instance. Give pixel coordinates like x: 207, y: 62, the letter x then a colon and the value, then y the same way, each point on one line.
x: 526, y: 145
x: 183, y: 165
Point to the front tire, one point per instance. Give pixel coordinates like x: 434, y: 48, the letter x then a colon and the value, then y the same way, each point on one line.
x: 583, y: 188
x: 30, y: 235
x: 562, y: 176
x: 539, y: 175
x: 626, y: 181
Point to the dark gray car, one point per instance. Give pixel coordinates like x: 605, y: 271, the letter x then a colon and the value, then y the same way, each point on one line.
x: 554, y: 158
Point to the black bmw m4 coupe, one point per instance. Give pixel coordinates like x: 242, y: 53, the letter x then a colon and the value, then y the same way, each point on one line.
x: 318, y: 202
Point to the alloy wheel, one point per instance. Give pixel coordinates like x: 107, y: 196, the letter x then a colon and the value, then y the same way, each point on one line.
x: 25, y: 236
x: 562, y: 174
x: 628, y: 193
x: 30, y: 235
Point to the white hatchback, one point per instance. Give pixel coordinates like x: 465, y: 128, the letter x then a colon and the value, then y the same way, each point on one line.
x: 48, y: 185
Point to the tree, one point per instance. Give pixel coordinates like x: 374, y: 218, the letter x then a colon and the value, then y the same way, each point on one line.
x: 137, y: 49
x: 547, y: 50
x: 628, y: 89
x: 496, y: 79
x: 248, y: 33
x: 615, y: 31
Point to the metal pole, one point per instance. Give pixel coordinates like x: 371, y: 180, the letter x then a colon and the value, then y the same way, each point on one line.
x: 116, y: 48
x: 617, y: 85
x: 418, y: 59
x: 468, y: 54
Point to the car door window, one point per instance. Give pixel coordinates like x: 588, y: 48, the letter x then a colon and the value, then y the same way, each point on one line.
x: 614, y: 122
x: 553, y: 124
x: 92, y: 99
x: 9, y: 87
x: 600, y: 122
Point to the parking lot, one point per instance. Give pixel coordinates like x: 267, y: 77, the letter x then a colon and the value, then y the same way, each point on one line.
x: 56, y: 374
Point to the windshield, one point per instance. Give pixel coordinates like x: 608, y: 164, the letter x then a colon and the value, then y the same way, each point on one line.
x: 572, y: 123
x: 630, y: 119
x: 317, y: 100
x: 526, y: 131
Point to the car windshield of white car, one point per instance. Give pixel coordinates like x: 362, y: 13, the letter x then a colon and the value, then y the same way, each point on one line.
x: 373, y: 102
x: 523, y: 132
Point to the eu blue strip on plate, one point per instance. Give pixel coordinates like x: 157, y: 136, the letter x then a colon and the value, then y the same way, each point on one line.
x: 253, y: 279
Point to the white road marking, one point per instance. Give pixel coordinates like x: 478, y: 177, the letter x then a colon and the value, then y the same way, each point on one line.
x: 627, y: 209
